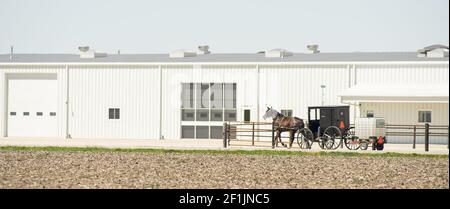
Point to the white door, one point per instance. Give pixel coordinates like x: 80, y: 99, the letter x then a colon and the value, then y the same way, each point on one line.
x: 32, y: 107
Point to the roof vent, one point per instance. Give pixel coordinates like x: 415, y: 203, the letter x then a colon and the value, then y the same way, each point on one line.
x: 278, y: 53
x: 313, y: 49
x: 203, y: 50
x: 433, y: 51
x: 182, y: 53
x: 87, y: 53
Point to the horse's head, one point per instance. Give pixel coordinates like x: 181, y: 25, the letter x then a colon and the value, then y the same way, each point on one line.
x: 270, y: 113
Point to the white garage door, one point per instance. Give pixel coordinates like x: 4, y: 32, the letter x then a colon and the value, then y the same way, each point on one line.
x: 32, y: 105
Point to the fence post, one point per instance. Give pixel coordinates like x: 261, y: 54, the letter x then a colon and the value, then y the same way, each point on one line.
x: 427, y: 136
x: 448, y: 137
x: 225, y: 135
x: 253, y: 134
x: 273, y: 134
x: 414, y: 137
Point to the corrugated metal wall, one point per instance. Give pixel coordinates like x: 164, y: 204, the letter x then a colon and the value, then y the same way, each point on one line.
x: 133, y: 89
x: 403, y: 74
x: 297, y: 87
x: 61, y: 76
x: 172, y: 77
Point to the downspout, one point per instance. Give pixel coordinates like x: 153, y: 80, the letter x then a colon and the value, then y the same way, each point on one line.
x: 160, y: 103
x: 67, y: 102
x: 356, y: 103
x: 5, y: 103
x: 257, y: 93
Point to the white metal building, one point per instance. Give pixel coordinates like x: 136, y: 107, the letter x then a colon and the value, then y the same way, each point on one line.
x: 190, y: 94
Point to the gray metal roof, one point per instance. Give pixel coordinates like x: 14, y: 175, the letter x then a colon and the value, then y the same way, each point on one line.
x: 214, y: 58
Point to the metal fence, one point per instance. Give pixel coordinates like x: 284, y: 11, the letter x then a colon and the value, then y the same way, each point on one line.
x: 261, y: 134
x: 256, y: 134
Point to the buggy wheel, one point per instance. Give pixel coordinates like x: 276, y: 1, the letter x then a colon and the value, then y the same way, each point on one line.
x: 304, y: 138
x: 364, y: 145
x: 352, y: 143
x: 332, y: 138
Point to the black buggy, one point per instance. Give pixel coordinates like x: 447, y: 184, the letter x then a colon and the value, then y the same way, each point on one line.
x: 326, y: 125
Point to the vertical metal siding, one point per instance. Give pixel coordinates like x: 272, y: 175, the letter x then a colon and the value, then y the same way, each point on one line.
x: 403, y: 74
x: 94, y: 89
x: 135, y: 89
x: 173, y: 76
x: 297, y: 87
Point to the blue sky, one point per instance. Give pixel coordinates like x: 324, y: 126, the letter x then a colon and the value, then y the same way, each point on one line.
x: 248, y: 26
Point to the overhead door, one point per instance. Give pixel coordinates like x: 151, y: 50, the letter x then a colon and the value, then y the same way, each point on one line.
x: 32, y: 105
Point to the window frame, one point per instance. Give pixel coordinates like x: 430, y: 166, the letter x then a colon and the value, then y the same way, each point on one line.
x: 424, y: 110
x: 286, y: 110
x: 115, y: 113
x: 211, y: 120
x: 245, y: 115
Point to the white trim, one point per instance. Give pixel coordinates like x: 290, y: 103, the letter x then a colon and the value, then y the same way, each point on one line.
x: 230, y: 63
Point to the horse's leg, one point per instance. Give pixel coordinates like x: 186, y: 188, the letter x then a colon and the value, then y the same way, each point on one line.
x: 276, y: 137
x: 279, y: 137
x: 291, y: 138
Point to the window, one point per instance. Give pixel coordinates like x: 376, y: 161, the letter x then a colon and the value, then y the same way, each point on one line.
x: 206, y: 102
x: 52, y: 113
x: 202, y: 115
x: 202, y: 95
x: 286, y: 113
x: 12, y: 113
x: 187, y: 132
x: 202, y: 132
x: 26, y: 113
x: 370, y: 114
x: 39, y: 114
x: 114, y: 113
x: 230, y: 115
x: 216, y: 132
x: 187, y: 102
x: 216, y: 96
x: 187, y: 95
x: 424, y: 116
x: 314, y: 114
x: 230, y: 96
x: 246, y: 115
x: 217, y: 115
x: 188, y: 115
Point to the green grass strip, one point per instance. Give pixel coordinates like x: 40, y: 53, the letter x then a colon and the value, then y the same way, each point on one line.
x: 221, y: 152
